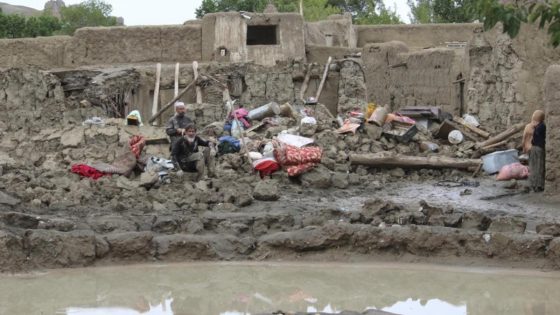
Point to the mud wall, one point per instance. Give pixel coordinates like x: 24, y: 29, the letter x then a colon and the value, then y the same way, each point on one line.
x: 134, y: 44
x: 228, y: 31
x: 415, y: 36
x: 338, y: 27
x: 552, y: 109
x: 99, y: 45
x: 46, y: 52
x: 398, y: 77
x: 506, y: 76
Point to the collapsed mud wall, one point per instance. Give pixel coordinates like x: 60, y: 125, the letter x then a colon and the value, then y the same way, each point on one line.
x: 552, y: 110
x: 504, y: 85
x: 398, y: 77
x: 417, y: 36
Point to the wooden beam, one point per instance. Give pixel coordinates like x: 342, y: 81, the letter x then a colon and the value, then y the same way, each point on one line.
x: 305, y: 83
x: 478, y: 131
x: 387, y: 159
x: 177, y: 65
x: 156, y: 91
x: 198, y: 89
x: 502, y: 136
x: 325, y: 73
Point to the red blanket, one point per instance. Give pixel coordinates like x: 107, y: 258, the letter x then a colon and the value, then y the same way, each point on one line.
x: 87, y: 171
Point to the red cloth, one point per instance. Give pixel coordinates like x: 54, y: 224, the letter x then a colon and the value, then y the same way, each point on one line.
x: 88, y: 171
x: 295, y: 170
x: 266, y: 167
x: 297, y: 161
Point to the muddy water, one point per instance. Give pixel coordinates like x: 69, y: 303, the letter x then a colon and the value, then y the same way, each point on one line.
x: 234, y: 289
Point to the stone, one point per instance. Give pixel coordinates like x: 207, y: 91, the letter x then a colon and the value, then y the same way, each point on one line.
x: 8, y: 200
x: 475, y: 221
x: 319, y: 177
x: 165, y: 224
x: 553, y: 252
x: 340, y: 180
x: 266, y: 190
x: 58, y: 224
x: 373, y: 131
x: 50, y: 248
x: 125, y: 183
x: 243, y: 200
x: 397, y: 172
x: 107, y: 224
x: 549, y: 229
x: 507, y: 224
x: 20, y: 220
x: 130, y: 245
x: 72, y: 138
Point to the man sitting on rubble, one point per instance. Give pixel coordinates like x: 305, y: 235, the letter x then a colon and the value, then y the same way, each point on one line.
x: 187, y: 155
x: 176, y: 125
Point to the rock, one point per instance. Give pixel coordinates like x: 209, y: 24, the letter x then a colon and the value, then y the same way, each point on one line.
x: 507, y: 224
x: 158, y: 207
x: 20, y: 220
x: 377, y: 207
x: 62, y: 225
x: 428, y: 210
x: 130, y: 245
x: 354, y: 179
x: 11, y: 251
x: 107, y: 224
x: 165, y: 224
x: 373, y: 131
x: 243, y: 200
x: 72, y: 138
x: 553, y: 252
x: 475, y: 221
x: 50, y: 248
x: 549, y: 229
x: 340, y: 180
x: 397, y: 172
x: 125, y: 183
x: 266, y: 190
x: 8, y: 200
x: 453, y: 220
x: 148, y: 179
x: 319, y: 177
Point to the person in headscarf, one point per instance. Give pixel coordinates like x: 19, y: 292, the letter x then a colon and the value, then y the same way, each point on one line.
x: 534, y: 143
x: 190, y: 157
x: 176, y: 125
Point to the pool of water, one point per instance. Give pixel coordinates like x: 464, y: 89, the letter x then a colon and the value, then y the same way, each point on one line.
x: 247, y: 288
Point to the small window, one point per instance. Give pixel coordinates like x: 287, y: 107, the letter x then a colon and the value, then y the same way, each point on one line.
x: 262, y: 35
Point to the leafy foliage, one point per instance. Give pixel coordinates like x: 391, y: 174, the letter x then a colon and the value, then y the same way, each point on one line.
x: 442, y: 11
x: 88, y: 13
x: 362, y: 11
x: 513, y: 14
x: 17, y: 26
x: 421, y: 11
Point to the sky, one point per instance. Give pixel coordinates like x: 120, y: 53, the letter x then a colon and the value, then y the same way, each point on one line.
x: 162, y: 12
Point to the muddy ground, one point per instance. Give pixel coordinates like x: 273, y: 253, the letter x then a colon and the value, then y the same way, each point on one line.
x: 51, y: 218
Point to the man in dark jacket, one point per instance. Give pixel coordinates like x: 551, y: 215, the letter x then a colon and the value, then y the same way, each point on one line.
x: 190, y: 157
x: 176, y: 125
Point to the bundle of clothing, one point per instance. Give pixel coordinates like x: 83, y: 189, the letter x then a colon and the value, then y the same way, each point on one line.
x: 297, y: 160
x: 123, y: 164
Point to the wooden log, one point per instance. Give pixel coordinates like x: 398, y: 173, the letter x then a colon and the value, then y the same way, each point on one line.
x: 492, y: 148
x: 474, y: 129
x: 198, y: 89
x: 305, y: 83
x: 156, y: 91
x: 502, y: 136
x: 325, y: 73
x: 166, y: 106
x: 176, y: 92
x: 387, y: 159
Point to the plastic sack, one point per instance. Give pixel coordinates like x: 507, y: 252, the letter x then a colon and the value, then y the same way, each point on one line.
x: 513, y: 171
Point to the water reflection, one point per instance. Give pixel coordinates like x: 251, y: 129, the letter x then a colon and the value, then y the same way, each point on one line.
x: 233, y: 289
x: 163, y: 308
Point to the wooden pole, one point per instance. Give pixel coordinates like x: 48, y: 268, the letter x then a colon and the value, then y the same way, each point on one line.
x: 305, y: 83
x: 166, y: 106
x: 502, y: 136
x: 474, y: 129
x: 177, y: 65
x: 156, y: 91
x: 198, y: 89
x: 325, y: 73
x: 301, y: 7
x: 492, y: 148
x: 386, y: 159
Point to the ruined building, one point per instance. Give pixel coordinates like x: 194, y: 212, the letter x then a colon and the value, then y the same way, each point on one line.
x: 264, y: 56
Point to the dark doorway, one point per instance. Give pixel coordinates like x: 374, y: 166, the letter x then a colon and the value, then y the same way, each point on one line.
x: 262, y: 35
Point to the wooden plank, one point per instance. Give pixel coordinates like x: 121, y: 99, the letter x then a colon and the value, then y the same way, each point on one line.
x: 154, y: 117
x: 305, y: 83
